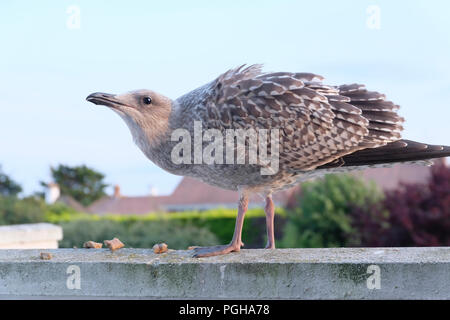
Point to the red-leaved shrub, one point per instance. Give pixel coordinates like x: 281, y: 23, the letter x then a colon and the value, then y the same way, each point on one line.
x: 412, y: 215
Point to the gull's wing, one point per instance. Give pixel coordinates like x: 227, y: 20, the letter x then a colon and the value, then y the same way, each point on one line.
x: 318, y: 124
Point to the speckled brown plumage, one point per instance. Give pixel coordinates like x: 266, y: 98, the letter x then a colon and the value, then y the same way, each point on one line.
x: 318, y: 123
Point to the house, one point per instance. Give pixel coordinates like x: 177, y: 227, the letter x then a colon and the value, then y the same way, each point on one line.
x: 190, y: 194
x: 53, y: 195
x: 119, y: 204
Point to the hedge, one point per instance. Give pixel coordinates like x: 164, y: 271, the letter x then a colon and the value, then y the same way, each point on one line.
x: 181, y: 228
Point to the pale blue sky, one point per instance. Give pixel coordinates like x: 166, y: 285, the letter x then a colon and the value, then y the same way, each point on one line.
x: 47, y: 69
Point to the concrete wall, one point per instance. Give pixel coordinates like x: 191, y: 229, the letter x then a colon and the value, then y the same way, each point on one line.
x: 30, y: 236
x: 344, y: 273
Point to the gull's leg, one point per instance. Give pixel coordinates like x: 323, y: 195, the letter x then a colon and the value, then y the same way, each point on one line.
x: 269, y: 209
x: 236, y: 242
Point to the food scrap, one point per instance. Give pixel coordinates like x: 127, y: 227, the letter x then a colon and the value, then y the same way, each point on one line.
x: 92, y: 244
x: 114, y: 244
x: 160, y: 248
x: 46, y: 256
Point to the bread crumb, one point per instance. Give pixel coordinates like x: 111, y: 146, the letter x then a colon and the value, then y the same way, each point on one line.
x: 46, y: 256
x: 114, y: 244
x: 160, y: 248
x: 92, y: 244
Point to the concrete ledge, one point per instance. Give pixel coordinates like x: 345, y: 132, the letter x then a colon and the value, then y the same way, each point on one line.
x: 30, y: 236
x: 343, y: 273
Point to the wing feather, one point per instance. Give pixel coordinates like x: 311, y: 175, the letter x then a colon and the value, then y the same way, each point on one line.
x: 318, y: 123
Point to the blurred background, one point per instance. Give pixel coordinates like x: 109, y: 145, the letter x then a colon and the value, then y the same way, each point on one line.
x: 73, y: 164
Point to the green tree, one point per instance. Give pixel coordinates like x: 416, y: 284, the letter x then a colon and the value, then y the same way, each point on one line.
x: 322, y: 217
x: 8, y: 187
x: 17, y: 211
x: 80, y: 182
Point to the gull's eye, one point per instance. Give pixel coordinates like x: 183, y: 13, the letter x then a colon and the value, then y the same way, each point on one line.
x: 147, y: 100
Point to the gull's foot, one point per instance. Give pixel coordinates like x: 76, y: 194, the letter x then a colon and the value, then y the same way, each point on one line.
x: 200, y: 252
x: 270, y: 246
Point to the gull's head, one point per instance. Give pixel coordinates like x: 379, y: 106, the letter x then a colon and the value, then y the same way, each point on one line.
x: 144, y: 111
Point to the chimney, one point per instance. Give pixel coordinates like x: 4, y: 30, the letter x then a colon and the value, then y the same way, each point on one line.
x: 153, y: 191
x: 117, y: 191
x: 53, y: 193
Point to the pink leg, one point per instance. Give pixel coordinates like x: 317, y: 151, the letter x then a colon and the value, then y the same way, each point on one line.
x: 236, y: 242
x: 269, y: 209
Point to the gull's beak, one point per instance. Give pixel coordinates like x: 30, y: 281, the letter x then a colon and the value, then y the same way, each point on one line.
x: 104, y: 99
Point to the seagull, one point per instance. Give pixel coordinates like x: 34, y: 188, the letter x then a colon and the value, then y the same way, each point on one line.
x: 319, y: 128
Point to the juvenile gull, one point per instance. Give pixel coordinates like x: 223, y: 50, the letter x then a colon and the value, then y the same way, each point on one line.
x: 322, y: 129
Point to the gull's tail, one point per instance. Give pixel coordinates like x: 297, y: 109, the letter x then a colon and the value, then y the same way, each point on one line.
x: 397, y: 151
